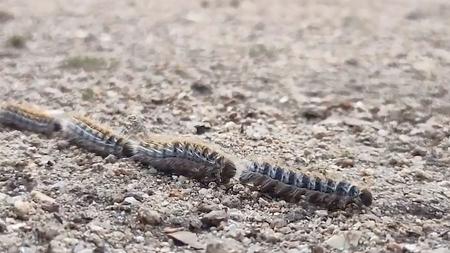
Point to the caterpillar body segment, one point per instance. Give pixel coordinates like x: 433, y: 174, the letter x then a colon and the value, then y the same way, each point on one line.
x: 29, y: 118
x: 96, y: 138
x: 185, y: 157
x: 293, y: 186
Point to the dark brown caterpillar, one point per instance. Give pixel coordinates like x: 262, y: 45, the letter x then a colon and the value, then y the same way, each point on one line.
x: 185, y: 157
x: 293, y: 186
x: 30, y: 118
x: 96, y: 138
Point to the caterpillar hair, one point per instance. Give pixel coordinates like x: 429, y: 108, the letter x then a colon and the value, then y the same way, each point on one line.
x: 30, y: 118
x: 185, y: 157
x: 292, y: 186
x: 92, y: 136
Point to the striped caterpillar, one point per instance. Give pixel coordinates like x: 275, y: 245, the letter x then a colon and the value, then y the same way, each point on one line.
x: 94, y: 137
x: 188, y: 158
x: 30, y: 118
x: 292, y: 186
x: 185, y: 157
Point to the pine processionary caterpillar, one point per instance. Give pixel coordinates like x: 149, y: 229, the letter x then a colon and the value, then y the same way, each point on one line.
x: 94, y: 137
x: 292, y: 186
x: 30, y: 118
x: 185, y: 157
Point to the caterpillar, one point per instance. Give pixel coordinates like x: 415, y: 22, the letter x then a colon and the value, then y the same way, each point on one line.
x: 94, y: 137
x: 188, y: 158
x: 30, y: 118
x: 292, y: 186
x: 185, y: 157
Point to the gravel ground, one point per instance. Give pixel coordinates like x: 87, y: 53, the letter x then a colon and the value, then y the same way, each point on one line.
x: 354, y: 90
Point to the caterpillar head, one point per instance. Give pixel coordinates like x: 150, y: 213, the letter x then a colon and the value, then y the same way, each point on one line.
x: 365, y: 197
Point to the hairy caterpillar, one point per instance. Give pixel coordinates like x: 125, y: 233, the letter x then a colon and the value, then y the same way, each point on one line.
x: 30, y: 118
x: 185, y: 157
x: 94, y: 137
x: 292, y: 186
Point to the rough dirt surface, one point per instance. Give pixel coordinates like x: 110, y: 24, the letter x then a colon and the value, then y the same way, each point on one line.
x: 355, y: 90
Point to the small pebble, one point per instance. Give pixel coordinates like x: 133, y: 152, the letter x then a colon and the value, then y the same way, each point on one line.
x: 110, y: 159
x: 216, y: 247
x: 419, y: 151
x: 3, y: 227
x: 278, y: 223
x: 88, y: 250
x: 150, y: 217
x: 345, y: 163
x: 24, y: 249
x: 214, y: 218
x: 131, y: 201
x: 186, y: 238
x: 23, y: 209
x: 337, y: 242
x: 231, y: 201
x: 321, y: 213
x: 317, y: 249
x: 230, y: 125
x: 47, y: 203
x: 195, y: 224
x: 237, y: 188
x: 270, y: 236
x: 48, y: 232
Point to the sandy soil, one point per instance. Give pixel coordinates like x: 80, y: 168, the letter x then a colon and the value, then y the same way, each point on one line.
x: 355, y: 90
